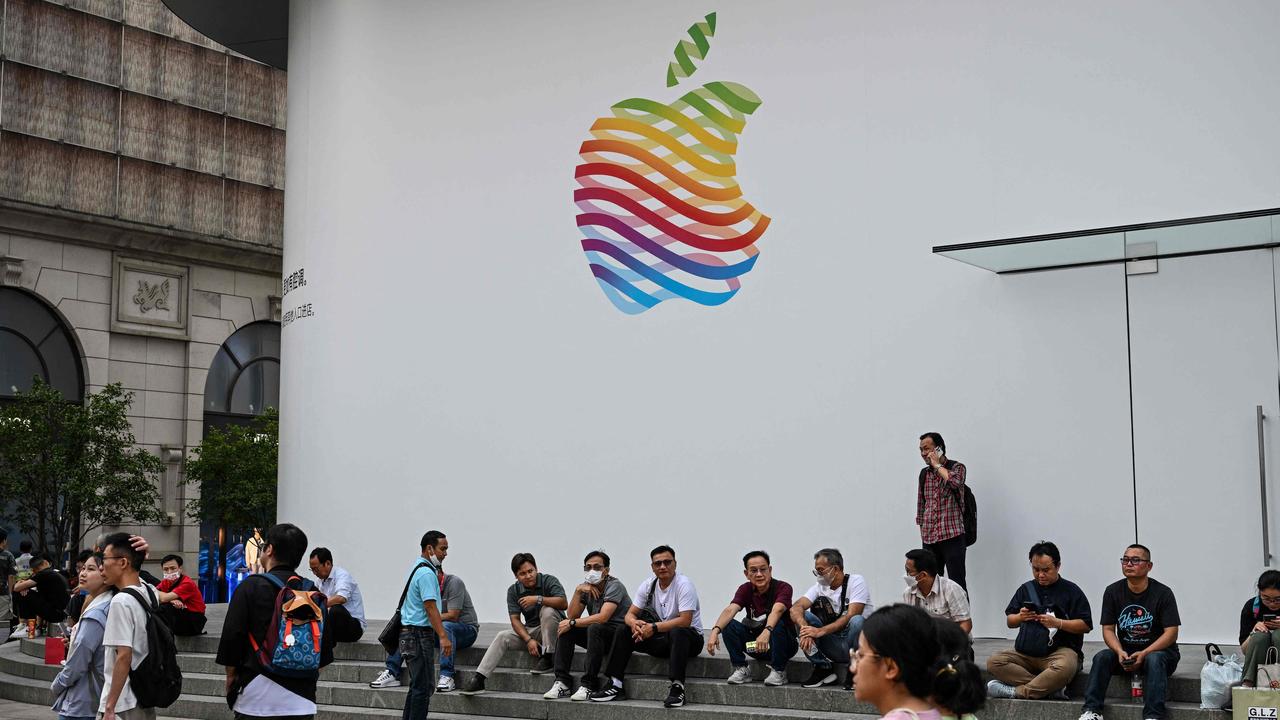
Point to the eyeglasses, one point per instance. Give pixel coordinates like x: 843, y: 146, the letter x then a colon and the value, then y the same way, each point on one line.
x: 822, y: 574
x: 757, y: 571
x: 113, y: 557
x: 663, y: 563
x: 1126, y: 560
x: 1269, y: 599
x: 858, y: 655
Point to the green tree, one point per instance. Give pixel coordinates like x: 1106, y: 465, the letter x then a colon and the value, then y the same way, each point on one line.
x: 61, y: 462
x: 236, y: 470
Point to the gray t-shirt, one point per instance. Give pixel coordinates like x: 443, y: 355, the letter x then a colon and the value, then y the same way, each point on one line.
x: 545, y: 585
x: 456, y: 596
x: 614, y: 592
x: 8, y: 566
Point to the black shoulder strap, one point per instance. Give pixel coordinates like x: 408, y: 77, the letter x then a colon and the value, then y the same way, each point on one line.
x: 409, y: 582
x: 844, y: 593
x: 1031, y: 590
x: 149, y: 607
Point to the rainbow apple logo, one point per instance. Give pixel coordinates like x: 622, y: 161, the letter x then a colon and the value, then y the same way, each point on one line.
x: 660, y: 211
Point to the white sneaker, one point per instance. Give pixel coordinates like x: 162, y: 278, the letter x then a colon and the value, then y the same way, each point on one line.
x: 997, y: 689
x: 582, y: 694
x: 740, y: 675
x: 1090, y: 715
x: 20, y: 633
x: 385, y: 680
x: 776, y: 678
x: 446, y: 684
x: 558, y: 691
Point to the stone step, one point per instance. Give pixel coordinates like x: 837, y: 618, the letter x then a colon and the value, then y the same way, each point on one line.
x: 709, y: 699
x: 358, y: 665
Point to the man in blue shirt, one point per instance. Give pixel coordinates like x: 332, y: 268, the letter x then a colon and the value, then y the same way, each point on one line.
x: 423, y: 630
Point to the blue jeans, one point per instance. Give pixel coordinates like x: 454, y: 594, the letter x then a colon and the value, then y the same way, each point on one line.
x: 394, y: 663
x: 834, y: 648
x: 418, y: 648
x: 1157, y: 668
x: 782, y: 645
x: 462, y: 637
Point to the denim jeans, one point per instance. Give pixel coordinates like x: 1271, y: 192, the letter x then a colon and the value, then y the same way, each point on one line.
x: 782, y: 645
x: 418, y: 648
x: 394, y: 663
x: 462, y: 636
x: 1157, y: 668
x: 834, y: 649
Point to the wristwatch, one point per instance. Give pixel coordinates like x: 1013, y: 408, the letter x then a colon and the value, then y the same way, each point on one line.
x: 769, y: 628
x: 573, y: 623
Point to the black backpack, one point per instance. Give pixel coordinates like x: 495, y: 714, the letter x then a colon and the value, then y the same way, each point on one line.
x: 157, y: 681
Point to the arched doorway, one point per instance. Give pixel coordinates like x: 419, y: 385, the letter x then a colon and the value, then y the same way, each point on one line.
x: 35, y: 343
x: 243, y: 381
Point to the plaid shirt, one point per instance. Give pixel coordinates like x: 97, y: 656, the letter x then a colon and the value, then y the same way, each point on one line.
x: 938, y: 505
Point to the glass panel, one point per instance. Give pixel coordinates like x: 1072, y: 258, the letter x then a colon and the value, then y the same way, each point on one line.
x: 221, y: 373
x: 257, y: 388
x: 25, y: 315
x: 64, y: 366
x: 1202, y: 237
x: 18, y: 364
x: 255, y: 341
x: 1036, y: 254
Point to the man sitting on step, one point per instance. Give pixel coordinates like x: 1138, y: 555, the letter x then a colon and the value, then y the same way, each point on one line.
x: 605, y: 600
x: 460, y: 623
x: 181, y: 604
x: 536, y: 605
x: 766, y: 633
x: 1052, y: 616
x: 665, y: 621
x: 43, y: 596
x: 342, y: 595
x: 830, y: 617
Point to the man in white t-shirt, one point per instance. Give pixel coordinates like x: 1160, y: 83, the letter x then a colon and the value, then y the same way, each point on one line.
x: 829, y: 618
x: 664, y: 621
x: 125, y: 637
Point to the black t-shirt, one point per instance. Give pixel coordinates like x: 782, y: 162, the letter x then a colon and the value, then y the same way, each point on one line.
x: 1140, y: 618
x: 1067, y: 602
x: 53, y: 593
x: 1250, y: 615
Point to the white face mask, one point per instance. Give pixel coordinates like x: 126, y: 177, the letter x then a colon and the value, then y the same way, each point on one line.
x: 593, y: 576
x: 824, y: 581
x: 911, y: 581
x: 172, y: 576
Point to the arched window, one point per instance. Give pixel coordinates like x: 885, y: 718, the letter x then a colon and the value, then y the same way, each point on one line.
x: 244, y: 379
x: 34, y: 342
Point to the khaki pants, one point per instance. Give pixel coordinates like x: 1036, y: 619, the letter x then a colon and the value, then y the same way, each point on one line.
x: 507, y: 639
x: 1034, y: 678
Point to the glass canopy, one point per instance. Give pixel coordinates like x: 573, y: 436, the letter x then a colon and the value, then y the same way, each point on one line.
x: 1170, y: 238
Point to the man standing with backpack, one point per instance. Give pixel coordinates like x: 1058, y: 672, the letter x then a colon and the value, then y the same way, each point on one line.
x: 263, y: 680
x: 940, y: 507
x: 125, y: 636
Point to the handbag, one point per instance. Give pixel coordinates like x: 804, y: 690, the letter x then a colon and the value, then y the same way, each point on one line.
x: 823, y: 608
x: 1216, y: 678
x: 1033, y: 638
x: 1269, y: 672
x: 389, y: 638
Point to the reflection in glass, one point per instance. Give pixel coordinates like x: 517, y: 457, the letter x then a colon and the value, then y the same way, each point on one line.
x: 257, y: 388
x: 18, y: 364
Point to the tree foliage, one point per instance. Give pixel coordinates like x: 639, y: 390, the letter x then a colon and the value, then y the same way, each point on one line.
x: 236, y: 470
x: 61, y: 460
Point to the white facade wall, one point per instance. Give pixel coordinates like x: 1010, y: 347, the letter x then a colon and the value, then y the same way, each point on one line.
x: 460, y: 369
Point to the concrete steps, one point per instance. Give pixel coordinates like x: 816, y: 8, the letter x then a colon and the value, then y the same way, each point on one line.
x: 344, y: 694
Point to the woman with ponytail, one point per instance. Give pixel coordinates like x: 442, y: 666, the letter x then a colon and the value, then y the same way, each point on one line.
x: 958, y: 691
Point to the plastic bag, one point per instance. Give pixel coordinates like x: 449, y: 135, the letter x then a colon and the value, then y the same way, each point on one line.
x: 1217, y: 676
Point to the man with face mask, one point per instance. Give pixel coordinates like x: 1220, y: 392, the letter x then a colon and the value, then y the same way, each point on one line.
x: 605, y: 601
x: 435, y: 548
x: 939, y: 596
x: 1047, y: 654
x: 829, y: 618
x: 181, y: 604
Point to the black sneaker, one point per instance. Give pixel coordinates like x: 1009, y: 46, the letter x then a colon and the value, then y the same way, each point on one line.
x: 544, y: 665
x: 821, y: 676
x: 474, y: 686
x: 610, y: 692
x: 848, y: 678
x: 675, y: 696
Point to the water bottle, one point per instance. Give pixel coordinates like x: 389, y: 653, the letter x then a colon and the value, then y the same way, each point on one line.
x: 1135, y: 688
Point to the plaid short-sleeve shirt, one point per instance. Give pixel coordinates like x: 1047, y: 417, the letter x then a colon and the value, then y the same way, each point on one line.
x: 939, y: 512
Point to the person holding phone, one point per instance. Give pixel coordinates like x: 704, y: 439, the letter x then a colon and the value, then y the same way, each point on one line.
x: 940, y: 507
x: 1260, y: 625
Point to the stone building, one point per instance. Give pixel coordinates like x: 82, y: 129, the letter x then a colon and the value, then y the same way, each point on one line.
x: 141, y: 203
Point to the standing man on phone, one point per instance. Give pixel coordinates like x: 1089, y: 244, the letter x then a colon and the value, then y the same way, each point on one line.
x: 940, y: 507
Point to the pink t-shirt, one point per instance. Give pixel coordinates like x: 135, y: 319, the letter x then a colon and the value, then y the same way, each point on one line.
x: 904, y: 714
